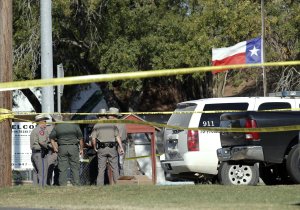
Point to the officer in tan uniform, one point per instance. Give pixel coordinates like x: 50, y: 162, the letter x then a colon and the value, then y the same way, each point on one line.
x: 93, y: 159
x: 108, y: 136
x: 114, y: 114
x: 39, y: 138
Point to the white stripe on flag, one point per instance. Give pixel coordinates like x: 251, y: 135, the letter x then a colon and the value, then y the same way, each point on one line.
x: 221, y: 53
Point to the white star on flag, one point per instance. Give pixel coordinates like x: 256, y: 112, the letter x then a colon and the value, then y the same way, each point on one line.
x: 254, y: 51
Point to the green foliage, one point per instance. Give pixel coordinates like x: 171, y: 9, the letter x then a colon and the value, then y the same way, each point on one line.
x: 25, y: 39
x: 112, y: 36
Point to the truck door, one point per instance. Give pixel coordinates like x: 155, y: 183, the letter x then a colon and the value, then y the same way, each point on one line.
x: 272, y: 147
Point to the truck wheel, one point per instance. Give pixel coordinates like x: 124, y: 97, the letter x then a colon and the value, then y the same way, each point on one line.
x: 230, y: 174
x: 274, y: 174
x: 170, y: 177
x: 293, y: 164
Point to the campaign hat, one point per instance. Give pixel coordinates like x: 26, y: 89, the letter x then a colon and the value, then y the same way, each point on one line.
x: 57, y: 117
x: 41, y: 117
x: 101, y: 112
x: 113, y: 111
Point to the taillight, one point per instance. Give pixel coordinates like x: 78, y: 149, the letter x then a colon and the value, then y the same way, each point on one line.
x: 253, y: 136
x: 192, y: 141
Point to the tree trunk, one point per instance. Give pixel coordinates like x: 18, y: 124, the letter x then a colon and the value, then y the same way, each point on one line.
x: 5, y: 96
x: 224, y: 83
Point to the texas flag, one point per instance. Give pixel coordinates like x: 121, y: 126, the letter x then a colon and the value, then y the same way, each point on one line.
x: 245, y: 52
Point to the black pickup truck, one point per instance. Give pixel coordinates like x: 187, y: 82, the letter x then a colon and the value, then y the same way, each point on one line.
x: 273, y: 155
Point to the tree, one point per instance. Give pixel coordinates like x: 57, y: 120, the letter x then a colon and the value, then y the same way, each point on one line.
x: 283, y: 40
x: 26, y: 44
x: 101, y: 36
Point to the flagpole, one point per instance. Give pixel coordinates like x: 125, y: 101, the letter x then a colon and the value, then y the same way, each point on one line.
x: 263, y: 47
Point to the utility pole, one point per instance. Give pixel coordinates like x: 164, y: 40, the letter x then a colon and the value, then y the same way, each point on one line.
x: 60, y: 88
x: 5, y: 97
x: 46, y: 55
x: 263, y: 46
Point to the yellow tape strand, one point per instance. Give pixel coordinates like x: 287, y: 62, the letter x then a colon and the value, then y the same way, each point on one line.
x: 209, y: 129
x: 139, y: 157
x: 129, y: 158
x: 5, y: 114
x: 161, y: 125
x: 157, y: 113
x: 129, y: 75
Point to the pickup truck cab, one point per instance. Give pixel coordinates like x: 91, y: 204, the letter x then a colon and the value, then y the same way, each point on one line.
x: 277, y: 151
x: 191, y: 154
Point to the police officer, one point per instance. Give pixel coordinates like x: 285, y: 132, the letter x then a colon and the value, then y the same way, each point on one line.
x: 108, y: 136
x: 52, y: 177
x: 93, y: 159
x: 38, y: 144
x: 114, y: 114
x: 69, y: 139
x: 93, y: 162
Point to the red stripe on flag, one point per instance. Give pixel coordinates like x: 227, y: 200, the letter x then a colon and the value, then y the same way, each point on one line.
x: 230, y: 60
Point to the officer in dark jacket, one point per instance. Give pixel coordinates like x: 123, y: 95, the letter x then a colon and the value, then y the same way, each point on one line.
x: 108, y: 136
x: 69, y: 139
x: 38, y: 144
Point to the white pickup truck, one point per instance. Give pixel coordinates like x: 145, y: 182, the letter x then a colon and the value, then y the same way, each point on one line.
x: 191, y: 155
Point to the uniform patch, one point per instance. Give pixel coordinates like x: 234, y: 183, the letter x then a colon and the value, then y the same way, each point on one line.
x: 42, y: 133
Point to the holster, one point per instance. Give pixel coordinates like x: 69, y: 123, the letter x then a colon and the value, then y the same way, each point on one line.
x: 97, y: 143
x: 44, y: 152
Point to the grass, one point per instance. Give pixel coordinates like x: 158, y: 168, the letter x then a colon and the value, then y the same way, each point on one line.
x: 153, y: 197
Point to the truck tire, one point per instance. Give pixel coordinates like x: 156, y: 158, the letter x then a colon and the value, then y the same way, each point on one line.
x: 293, y: 164
x: 274, y: 174
x: 237, y: 174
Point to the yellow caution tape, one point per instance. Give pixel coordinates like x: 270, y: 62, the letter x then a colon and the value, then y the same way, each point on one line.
x: 139, y: 157
x: 209, y: 129
x: 8, y: 114
x: 157, y: 113
x: 5, y: 114
x: 5, y: 86
x: 23, y: 120
x: 161, y: 125
x: 129, y: 158
x: 85, y: 161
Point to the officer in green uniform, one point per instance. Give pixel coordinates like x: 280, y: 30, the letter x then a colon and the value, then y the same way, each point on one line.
x: 38, y: 144
x: 114, y: 114
x: 108, y: 136
x: 69, y: 139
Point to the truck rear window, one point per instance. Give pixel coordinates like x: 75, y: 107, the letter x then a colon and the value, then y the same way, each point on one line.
x: 213, y: 119
x: 183, y: 119
x: 274, y: 105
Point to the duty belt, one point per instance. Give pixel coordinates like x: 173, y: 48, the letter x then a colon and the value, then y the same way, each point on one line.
x: 106, y: 144
x: 67, y: 144
x: 36, y: 150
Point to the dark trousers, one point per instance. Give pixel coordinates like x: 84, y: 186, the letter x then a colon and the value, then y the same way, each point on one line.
x: 68, y: 157
x: 93, y: 169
